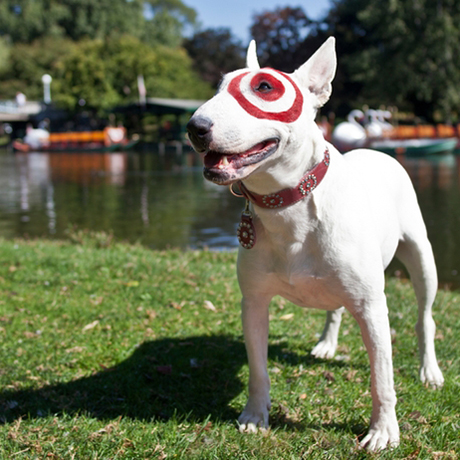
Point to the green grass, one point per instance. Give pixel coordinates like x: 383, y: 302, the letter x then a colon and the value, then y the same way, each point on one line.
x: 114, y: 351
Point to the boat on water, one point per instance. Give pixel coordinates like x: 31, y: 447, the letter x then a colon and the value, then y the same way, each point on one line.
x: 415, y: 147
x: 110, y: 139
x: 371, y: 129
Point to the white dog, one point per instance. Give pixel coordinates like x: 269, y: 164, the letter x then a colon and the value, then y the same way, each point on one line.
x: 320, y: 227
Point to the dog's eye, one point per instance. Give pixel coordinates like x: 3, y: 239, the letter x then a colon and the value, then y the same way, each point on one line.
x: 264, y: 87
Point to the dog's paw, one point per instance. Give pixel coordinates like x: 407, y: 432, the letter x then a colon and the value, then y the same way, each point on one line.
x: 383, y: 434
x: 432, y: 375
x: 378, y: 439
x: 324, y: 349
x: 253, y: 418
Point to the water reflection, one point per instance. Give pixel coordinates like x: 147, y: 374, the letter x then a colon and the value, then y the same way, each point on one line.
x: 162, y: 200
x: 433, y: 172
x: 157, y: 200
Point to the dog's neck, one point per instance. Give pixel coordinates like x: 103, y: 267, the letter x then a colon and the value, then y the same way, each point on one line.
x: 289, y: 196
x: 289, y: 172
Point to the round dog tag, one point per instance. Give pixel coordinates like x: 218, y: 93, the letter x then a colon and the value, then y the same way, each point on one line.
x: 246, y: 231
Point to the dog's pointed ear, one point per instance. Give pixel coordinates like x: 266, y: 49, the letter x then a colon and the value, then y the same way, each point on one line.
x: 251, y: 57
x: 319, y: 71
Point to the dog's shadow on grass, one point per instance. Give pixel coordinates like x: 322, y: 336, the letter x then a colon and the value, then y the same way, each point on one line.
x: 194, y: 377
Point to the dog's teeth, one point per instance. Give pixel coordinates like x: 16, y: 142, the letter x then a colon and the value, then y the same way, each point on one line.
x: 225, y: 161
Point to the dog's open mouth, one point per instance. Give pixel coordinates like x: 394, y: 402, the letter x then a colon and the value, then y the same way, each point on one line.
x: 218, y: 163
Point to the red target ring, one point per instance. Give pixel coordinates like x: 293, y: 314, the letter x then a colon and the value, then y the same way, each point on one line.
x: 268, y: 88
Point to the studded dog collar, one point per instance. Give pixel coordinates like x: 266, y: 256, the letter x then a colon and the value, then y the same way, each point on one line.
x: 290, y: 196
x: 246, y: 231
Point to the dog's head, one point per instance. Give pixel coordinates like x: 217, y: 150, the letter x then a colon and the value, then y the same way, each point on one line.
x: 258, y: 113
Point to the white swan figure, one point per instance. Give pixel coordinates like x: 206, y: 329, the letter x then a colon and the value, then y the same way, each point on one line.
x: 383, y: 116
x: 373, y: 125
x: 349, y: 134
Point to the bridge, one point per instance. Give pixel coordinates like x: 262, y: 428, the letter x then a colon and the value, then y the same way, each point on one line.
x: 11, y: 112
x: 14, y: 117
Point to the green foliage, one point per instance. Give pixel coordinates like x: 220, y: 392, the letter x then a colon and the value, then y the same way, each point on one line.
x: 94, y: 51
x: 173, y: 76
x: 166, y: 20
x: 116, y: 351
x: 27, y: 20
x: 158, y: 21
x: 26, y: 64
x: 83, y: 76
x: 165, y: 29
x: 5, y: 50
x: 391, y: 52
x: 104, y: 73
x: 90, y: 238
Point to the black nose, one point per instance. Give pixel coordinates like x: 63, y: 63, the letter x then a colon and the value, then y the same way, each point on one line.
x: 199, y: 130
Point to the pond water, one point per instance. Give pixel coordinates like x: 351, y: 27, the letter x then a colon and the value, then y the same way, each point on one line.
x: 163, y: 201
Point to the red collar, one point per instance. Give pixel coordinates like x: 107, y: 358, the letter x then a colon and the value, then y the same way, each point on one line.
x: 290, y: 196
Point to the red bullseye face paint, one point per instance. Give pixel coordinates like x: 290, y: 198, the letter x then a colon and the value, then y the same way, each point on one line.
x: 269, y: 94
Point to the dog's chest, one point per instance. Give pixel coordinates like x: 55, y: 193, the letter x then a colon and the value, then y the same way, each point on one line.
x: 300, y: 272
x: 299, y: 256
x: 307, y: 284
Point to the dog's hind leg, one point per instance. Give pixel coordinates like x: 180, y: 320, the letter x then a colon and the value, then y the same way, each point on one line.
x: 327, y: 344
x: 417, y: 256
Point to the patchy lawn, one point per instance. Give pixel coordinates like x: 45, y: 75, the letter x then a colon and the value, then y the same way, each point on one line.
x: 110, y: 350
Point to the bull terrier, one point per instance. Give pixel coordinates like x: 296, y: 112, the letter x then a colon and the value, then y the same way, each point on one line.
x: 319, y: 227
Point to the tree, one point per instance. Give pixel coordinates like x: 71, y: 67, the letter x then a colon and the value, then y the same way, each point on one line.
x: 286, y: 38
x: 279, y: 35
x: 25, y: 65
x: 401, y: 52
x: 155, y: 21
x: 5, y: 50
x: 103, y: 73
x: 166, y: 20
x: 215, y: 52
x: 390, y: 52
x: 94, y: 50
x: 25, y: 21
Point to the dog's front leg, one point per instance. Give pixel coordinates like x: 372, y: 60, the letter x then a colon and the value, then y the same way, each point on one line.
x: 375, y: 329
x: 255, y: 329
